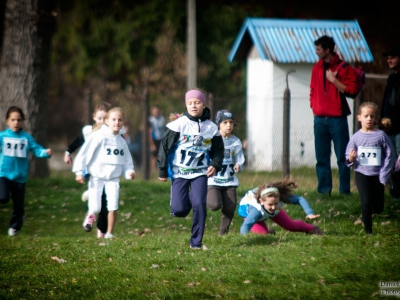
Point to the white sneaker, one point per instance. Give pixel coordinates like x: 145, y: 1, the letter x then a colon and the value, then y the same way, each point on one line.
x: 108, y: 235
x: 85, y: 196
x: 12, y: 232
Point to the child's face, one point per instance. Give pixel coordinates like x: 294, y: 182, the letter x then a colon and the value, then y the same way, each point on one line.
x: 226, y: 127
x: 270, y: 202
x: 115, y: 121
x: 99, y: 117
x: 195, y: 107
x: 14, y: 121
x: 367, y: 118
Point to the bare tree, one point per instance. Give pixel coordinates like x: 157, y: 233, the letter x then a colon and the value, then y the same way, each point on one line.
x: 24, y: 67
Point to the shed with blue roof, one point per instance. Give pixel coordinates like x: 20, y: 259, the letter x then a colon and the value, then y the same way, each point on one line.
x: 273, y: 49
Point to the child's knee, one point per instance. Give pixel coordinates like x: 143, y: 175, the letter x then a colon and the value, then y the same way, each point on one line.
x: 179, y: 213
x: 214, y: 206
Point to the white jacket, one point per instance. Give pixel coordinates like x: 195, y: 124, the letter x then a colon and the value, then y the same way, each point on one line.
x: 104, y: 155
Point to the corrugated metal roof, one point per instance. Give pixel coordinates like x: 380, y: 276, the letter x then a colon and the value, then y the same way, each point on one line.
x: 292, y: 41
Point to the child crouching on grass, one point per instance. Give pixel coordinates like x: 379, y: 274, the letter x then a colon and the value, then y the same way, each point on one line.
x: 265, y: 202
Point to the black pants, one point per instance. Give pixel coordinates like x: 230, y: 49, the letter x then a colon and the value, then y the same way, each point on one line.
x: 17, y: 191
x: 102, y: 221
x: 223, y: 198
x: 372, y: 194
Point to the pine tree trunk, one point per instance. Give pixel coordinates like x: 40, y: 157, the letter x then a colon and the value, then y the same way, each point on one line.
x: 24, y: 68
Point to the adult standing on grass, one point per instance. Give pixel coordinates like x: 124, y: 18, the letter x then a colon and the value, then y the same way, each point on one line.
x: 105, y: 155
x: 331, y: 81
x: 370, y: 153
x: 157, y: 126
x: 391, y: 97
x: 391, y: 109
x: 222, y: 187
x: 15, y: 145
x: 191, y: 150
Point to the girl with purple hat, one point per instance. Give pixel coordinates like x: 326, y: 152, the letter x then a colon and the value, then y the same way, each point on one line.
x: 191, y: 151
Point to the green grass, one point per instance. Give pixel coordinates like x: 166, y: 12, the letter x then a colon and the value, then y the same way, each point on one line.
x: 151, y: 259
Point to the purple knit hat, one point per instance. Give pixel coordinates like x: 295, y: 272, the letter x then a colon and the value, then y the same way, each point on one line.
x: 195, y: 94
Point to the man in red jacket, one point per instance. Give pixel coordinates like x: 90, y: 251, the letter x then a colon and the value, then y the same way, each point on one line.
x: 331, y: 81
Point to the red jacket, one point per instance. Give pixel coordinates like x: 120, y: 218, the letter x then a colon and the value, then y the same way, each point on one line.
x: 325, y: 99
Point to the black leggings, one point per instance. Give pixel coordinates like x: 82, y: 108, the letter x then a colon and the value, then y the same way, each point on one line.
x: 17, y: 191
x: 372, y: 194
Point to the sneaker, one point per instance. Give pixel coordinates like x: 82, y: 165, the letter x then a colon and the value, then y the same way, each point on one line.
x: 100, y: 234
x: 195, y: 247
x: 12, y: 232
x: 317, y: 230
x: 85, y: 196
x: 108, y: 235
x: 88, y: 222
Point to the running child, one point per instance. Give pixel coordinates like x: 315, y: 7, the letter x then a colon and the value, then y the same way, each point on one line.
x: 369, y: 152
x: 15, y: 145
x: 99, y: 116
x: 222, y: 186
x: 266, y: 202
x: 105, y: 156
x: 191, y: 150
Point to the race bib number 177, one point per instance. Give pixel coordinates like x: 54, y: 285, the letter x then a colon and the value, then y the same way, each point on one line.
x: 15, y: 147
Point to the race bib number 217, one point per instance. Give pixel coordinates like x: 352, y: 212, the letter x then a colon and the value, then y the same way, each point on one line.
x: 15, y: 147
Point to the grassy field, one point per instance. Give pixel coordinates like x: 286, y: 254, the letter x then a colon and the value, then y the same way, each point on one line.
x: 53, y: 258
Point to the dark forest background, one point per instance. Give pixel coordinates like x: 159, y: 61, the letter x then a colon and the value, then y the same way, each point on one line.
x: 117, y: 51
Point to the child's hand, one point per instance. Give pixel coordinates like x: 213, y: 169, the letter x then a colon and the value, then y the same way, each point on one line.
x: 132, y: 175
x: 352, y: 155
x: 237, y: 168
x: 79, y: 178
x: 67, y: 159
x: 311, y: 216
x: 163, y: 179
x: 49, y: 152
x: 210, y: 171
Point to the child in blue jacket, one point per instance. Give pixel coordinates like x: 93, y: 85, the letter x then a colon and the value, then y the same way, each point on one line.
x: 15, y: 145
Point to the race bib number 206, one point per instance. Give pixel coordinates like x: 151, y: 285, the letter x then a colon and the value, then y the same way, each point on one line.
x: 15, y: 147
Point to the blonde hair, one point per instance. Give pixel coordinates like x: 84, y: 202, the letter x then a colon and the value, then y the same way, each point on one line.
x: 285, y: 188
x: 368, y: 104
x: 116, y: 109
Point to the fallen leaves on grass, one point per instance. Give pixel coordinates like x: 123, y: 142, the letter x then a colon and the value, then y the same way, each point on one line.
x: 155, y: 266
x: 358, y: 221
x: 247, y: 281
x: 59, y: 260
x: 193, y: 283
